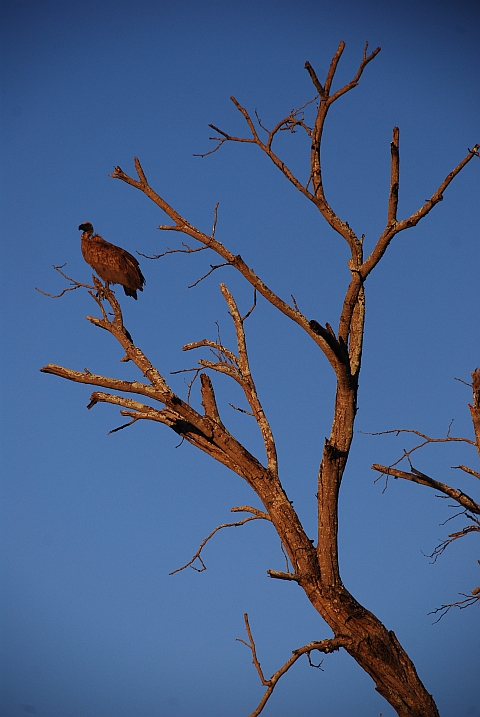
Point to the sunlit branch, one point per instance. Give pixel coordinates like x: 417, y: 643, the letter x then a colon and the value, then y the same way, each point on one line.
x: 468, y: 470
x: 238, y: 368
x: 232, y: 259
x: 417, y: 477
x: 326, y: 100
x: 248, y: 383
x: 475, y: 409
x: 395, y: 227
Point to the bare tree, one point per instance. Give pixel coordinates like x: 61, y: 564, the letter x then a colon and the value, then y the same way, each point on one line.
x: 315, y: 567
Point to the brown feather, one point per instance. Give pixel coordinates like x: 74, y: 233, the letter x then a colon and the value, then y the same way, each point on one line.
x: 112, y: 263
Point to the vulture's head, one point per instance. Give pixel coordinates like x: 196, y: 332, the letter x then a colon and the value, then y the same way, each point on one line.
x: 86, y: 227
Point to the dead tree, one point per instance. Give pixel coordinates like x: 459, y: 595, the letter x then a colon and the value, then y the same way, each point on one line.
x: 315, y: 567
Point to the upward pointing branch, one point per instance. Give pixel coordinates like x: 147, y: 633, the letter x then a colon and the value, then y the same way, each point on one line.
x: 394, y: 177
x: 394, y: 227
x: 475, y: 409
x: 315, y: 159
x: 332, y: 351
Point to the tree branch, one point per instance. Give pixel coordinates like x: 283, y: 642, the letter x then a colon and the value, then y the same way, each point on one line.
x: 233, y: 260
x: 394, y: 177
x: 74, y: 284
x: 395, y: 227
x: 469, y: 600
x: 475, y: 409
x: 315, y: 157
x: 427, y: 439
x: 325, y: 646
x: 259, y: 515
x: 279, y: 575
x: 468, y: 470
x: 455, y: 536
x: 248, y: 383
x: 417, y: 477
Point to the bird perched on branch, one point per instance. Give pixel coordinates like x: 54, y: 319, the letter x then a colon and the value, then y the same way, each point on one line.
x: 112, y: 263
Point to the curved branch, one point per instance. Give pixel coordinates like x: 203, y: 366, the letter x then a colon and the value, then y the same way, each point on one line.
x: 228, y: 356
x: 197, y: 555
x: 248, y: 509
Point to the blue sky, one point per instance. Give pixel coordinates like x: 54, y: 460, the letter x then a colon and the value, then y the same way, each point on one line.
x: 93, y: 625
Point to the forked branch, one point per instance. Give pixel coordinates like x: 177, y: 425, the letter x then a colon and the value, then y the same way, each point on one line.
x: 325, y: 646
x: 236, y: 261
x: 426, y: 440
x: 205, y: 432
x: 238, y: 368
x: 468, y: 600
x: 74, y: 284
x: 441, y: 547
x: 258, y: 515
x: 393, y: 227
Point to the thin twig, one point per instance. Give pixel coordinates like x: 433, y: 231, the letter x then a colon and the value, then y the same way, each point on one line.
x: 125, y: 425
x: 75, y: 284
x: 212, y: 269
x: 462, y: 381
x: 443, y: 545
x: 251, y: 644
x: 187, y: 250
x: 461, y: 604
x: 252, y: 306
x: 197, y: 555
x: 427, y: 440
x: 215, y: 218
x: 242, y: 410
x: 190, y: 384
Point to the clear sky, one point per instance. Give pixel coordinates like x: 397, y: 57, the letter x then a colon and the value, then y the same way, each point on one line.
x: 92, y: 624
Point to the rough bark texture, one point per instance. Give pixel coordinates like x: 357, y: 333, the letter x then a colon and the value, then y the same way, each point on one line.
x: 315, y: 567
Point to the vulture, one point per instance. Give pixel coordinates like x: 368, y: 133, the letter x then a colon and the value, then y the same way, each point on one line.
x: 112, y: 263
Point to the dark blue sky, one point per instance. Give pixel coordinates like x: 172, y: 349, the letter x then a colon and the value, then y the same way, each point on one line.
x: 93, y: 625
